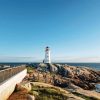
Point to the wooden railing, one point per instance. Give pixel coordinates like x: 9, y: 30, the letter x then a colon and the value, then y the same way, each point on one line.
x: 10, y: 72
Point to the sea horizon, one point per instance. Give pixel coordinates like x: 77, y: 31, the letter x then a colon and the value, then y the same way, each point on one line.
x: 93, y: 65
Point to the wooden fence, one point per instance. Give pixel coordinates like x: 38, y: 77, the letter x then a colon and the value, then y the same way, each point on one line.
x: 10, y: 72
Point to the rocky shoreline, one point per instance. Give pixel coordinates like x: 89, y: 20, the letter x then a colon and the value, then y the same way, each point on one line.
x: 63, y: 75
x: 77, y: 80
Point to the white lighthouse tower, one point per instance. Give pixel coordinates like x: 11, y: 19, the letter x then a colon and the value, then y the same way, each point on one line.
x: 47, y: 55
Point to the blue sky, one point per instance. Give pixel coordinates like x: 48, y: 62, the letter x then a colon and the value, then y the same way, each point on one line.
x: 70, y: 27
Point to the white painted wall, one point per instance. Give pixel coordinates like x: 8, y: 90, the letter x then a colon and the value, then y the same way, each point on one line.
x: 47, y: 55
x: 8, y: 87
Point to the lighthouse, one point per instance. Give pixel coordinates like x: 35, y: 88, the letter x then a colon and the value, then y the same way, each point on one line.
x: 47, y: 55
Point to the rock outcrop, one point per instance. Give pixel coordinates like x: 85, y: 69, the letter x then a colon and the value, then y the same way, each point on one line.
x: 83, y: 77
x: 62, y: 75
x: 75, y: 80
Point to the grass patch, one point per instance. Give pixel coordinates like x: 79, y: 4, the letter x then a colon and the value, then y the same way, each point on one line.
x: 48, y: 93
x: 29, y: 69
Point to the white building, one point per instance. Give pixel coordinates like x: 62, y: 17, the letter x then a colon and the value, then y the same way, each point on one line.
x: 47, y: 55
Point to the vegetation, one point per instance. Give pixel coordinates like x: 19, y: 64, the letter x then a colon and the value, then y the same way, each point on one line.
x: 47, y: 93
x: 29, y: 69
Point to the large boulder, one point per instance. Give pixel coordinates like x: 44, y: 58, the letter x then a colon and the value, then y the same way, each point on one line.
x: 26, y: 86
x: 30, y: 97
x: 52, y: 68
x: 61, y: 83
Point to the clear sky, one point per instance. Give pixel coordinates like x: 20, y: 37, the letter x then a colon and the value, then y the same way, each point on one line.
x: 70, y: 27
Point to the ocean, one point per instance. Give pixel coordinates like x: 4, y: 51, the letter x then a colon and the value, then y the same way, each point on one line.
x: 95, y: 66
